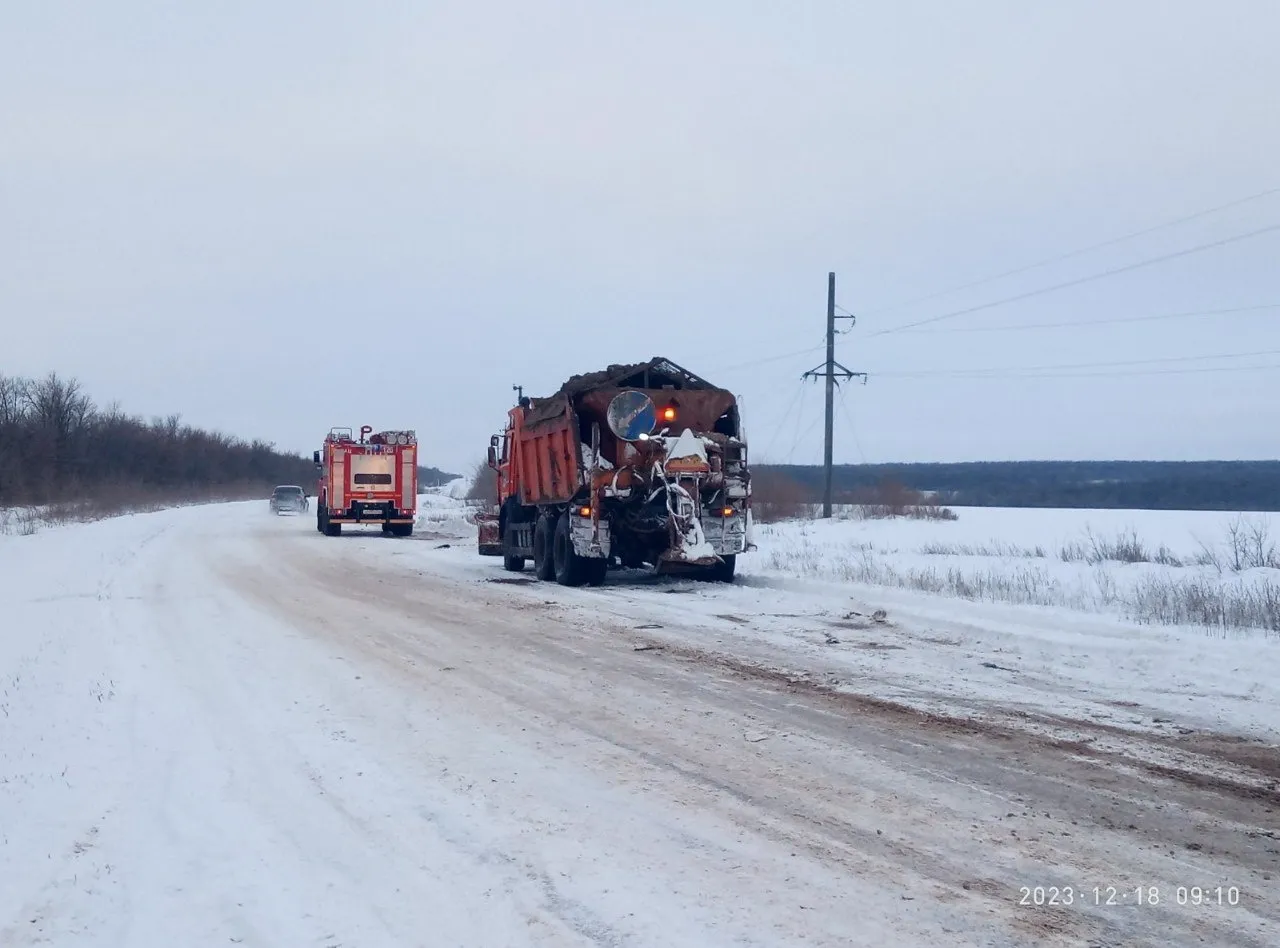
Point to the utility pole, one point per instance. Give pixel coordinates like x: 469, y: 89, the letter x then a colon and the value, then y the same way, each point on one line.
x: 831, y: 370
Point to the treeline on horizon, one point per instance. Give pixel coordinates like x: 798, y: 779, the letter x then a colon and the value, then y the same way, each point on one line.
x: 1150, y: 485
x: 57, y: 445
x: 431, y: 476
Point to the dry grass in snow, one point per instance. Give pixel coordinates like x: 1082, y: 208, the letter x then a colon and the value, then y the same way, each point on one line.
x: 1178, y: 577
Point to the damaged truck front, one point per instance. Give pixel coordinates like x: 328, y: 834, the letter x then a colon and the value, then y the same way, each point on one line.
x: 637, y: 466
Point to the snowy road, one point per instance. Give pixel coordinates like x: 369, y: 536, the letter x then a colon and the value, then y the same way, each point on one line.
x: 222, y: 728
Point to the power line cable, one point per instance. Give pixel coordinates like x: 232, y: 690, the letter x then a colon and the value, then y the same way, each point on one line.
x: 775, y: 358
x: 1075, y: 253
x: 1096, y: 375
x: 801, y: 433
x: 1084, y: 324
x: 800, y: 436
x: 795, y: 397
x: 1189, y: 371
x: 1150, y: 261
x: 1019, y: 371
x: 847, y: 412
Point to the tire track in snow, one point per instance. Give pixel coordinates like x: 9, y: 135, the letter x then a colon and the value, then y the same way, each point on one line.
x: 581, y: 639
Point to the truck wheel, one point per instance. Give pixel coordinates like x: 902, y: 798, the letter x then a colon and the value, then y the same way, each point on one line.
x: 402, y: 529
x: 332, y: 529
x: 322, y: 517
x: 544, y: 565
x: 510, y: 562
x: 568, y: 564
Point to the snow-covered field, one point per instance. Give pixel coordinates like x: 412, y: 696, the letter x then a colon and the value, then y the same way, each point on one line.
x: 220, y: 727
x: 1213, y: 570
x: 1034, y: 590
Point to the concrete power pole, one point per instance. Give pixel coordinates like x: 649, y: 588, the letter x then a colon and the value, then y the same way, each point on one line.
x: 831, y: 370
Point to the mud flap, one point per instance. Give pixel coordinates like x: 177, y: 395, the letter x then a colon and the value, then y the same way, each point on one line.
x: 490, y: 543
x: 591, y: 538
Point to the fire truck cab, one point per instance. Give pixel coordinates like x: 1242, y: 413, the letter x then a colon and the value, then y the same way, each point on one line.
x: 372, y: 479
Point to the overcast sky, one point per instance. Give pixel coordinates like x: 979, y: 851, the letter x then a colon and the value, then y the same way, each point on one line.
x: 276, y: 217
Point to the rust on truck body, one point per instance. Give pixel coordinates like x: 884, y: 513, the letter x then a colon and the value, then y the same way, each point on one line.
x: 675, y: 494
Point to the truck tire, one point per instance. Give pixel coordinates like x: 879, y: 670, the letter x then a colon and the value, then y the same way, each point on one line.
x: 570, y: 568
x: 326, y: 527
x: 402, y: 529
x: 322, y: 518
x: 544, y: 565
x: 596, y: 570
x: 510, y: 562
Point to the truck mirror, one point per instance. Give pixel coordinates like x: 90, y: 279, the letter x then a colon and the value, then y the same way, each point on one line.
x: 315, y: 456
x: 493, y: 456
x: 493, y: 441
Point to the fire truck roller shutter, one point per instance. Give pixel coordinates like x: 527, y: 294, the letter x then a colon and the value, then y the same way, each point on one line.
x: 407, y: 464
x: 339, y: 499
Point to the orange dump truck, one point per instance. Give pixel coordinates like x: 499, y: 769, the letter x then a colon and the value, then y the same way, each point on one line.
x: 636, y: 466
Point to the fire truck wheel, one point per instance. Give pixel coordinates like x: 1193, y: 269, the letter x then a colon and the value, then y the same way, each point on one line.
x: 569, y: 565
x: 332, y: 529
x: 596, y: 570
x: 544, y: 564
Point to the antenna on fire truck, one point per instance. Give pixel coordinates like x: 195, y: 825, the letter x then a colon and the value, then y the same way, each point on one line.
x: 519, y: 390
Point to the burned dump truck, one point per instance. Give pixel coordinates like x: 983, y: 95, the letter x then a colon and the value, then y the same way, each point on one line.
x: 636, y: 466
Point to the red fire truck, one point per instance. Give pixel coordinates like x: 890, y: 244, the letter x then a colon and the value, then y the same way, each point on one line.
x: 372, y: 479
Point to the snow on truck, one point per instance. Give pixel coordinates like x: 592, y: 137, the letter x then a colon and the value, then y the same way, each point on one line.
x: 369, y: 480
x: 638, y: 465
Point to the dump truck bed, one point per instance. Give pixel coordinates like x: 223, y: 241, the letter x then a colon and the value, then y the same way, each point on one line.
x: 548, y: 456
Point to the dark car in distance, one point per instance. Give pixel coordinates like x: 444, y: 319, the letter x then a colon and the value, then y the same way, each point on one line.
x: 289, y: 498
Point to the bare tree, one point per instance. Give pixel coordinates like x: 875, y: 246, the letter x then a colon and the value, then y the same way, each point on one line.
x: 1237, y: 544
x: 484, y: 483
x: 13, y: 397
x: 1261, y: 549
